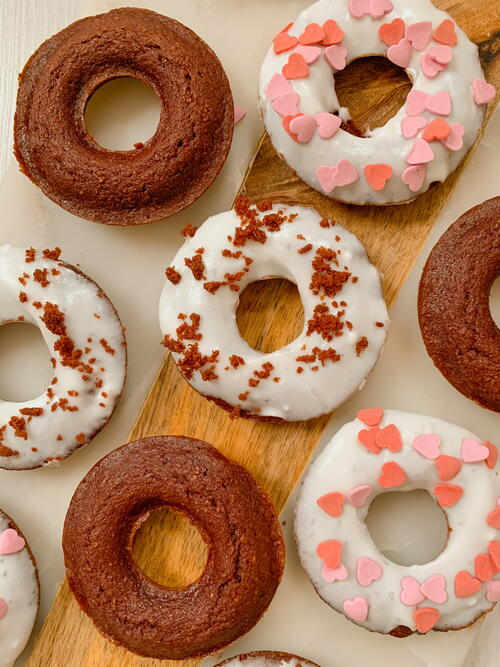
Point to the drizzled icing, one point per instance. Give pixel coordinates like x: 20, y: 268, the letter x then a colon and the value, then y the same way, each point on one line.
x: 346, y: 317
x: 85, y: 339
x: 452, y: 464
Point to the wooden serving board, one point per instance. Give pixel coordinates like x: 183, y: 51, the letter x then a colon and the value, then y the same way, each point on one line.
x: 167, y: 548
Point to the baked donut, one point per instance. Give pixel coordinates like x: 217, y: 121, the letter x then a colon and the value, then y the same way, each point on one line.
x: 345, y: 313
x: 85, y: 338
x: 382, y: 451
x: 423, y: 143
x: 267, y: 659
x: 453, y: 304
x: 233, y: 515
x: 19, y: 591
x: 160, y: 177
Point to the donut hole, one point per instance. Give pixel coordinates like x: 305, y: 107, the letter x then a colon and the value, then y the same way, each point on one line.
x: 123, y: 114
x: 169, y: 549
x: 25, y: 368
x: 408, y: 527
x: 495, y: 301
x: 270, y: 314
x: 374, y: 90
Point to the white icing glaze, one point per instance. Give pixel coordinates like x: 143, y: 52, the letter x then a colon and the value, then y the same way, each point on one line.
x: 384, y: 144
x: 296, y: 396
x: 19, y: 590
x: 264, y: 660
x: 88, y: 313
x: 345, y: 464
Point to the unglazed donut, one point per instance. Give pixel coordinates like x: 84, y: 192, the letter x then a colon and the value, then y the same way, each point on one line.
x: 88, y: 353
x: 381, y: 451
x: 423, y: 143
x: 19, y: 591
x: 267, y: 659
x: 345, y: 313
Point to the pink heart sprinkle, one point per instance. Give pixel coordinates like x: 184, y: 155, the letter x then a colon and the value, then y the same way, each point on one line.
x: 287, y: 105
x: 309, y: 53
x: 419, y: 34
x: 483, y: 91
x: 427, y: 445
x: 473, y: 451
x: 454, y: 141
x: 411, y: 126
x: 430, y: 67
x: 357, y: 609
x: 421, y: 153
x: 441, y: 54
x: 338, y: 574
x: 414, y: 177
x: 303, y: 127
x: 278, y: 87
x: 367, y: 571
x: 11, y: 542
x: 434, y: 589
x: 416, y: 102
x: 493, y: 591
x: 359, y: 495
x: 401, y: 53
x: 439, y: 104
x: 346, y: 174
x: 4, y: 608
x: 239, y: 114
x: 358, y: 8
x: 326, y: 177
x: 336, y: 56
x: 379, y: 8
x: 327, y: 123
x: 411, y: 595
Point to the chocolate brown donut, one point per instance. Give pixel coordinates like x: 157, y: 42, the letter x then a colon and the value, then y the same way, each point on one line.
x: 163, y: 176
x: 453, y: 304
x: 267, y: 659
x: 233, y: 515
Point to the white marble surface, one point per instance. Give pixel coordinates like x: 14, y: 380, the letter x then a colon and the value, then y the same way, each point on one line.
x: 129, y: 264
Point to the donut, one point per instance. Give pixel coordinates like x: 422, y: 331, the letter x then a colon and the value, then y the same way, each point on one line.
x: 85, y: 339
x: 382, y: 451
x: 267, y: 659
x: 232, y: 513
x: 345, y: 313
x: 423, y: 143
x: 458, y: 330
x: 158, y: 178
x: 19, y: 591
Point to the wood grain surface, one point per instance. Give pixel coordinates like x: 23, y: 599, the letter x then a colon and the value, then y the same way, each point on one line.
x: 277, y: 454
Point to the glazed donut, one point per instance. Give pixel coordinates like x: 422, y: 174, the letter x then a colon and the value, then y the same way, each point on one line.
x: 160, y: 177
x: 88, y: 353
x: 423, y: 143
x: 233, y: 515
x: 267, y: 659
x: 346, y: 317
x: 19, y: 591
x: 453, y: 304
x: 382, y: 451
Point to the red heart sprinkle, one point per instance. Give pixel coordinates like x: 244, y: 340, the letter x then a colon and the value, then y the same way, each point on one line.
x: 392, y: 33
x: 494, y: 550
x: 389, y: 438
x: 332, y: 503
x: 426, y: 618
x: 445, y: 33
x: 333, y: 34
x: 284, y: 42
x: 492, y: 459
x: 437, y: 130
x: 377, y: 175
x: 484, y: 567
x: 313, y: 34
x: 466, y: 585
x: 296, y: 67
x: 392, y: 475
x: 448, y: 467
x: 371, y: 416
x: 286, y: 124
x: 367, y: 438
x: 330, y: 552
x: 448, y: 494
x: 494, y: 518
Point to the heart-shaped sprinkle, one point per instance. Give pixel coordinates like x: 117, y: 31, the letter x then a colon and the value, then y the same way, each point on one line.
x: 439, y: 104
x: 338, y: 574
x: 455, y: 141
x: 346, y: 174
x: 414, y: 177
x: 466, y: 585
x: 419, y: 34
x: 287, y: 105
x: 426, y: 618
x: 484, y: 567
x: 367, y: 571
x: 277, y: 87
x: 493, y: 591
x: 328, y: 124
x: 427, y: 445
x: 326, y: 177
x: 377, y: 175
x: 4, y: 608
x: 303, y: 127
x: 378, y: 8
x: 389, y: 438
x: 392, y: 33
x: 313, y: 34
x: 357, y: 609
x: 367, y: 438
x: 296, y: 67
x: 494, y: 518
x: 411, y: 595
x: 284, y: 42
x: 370, y: 416
x: 286, y: 125
x: 441, y: 54
x: 333, y: 34
x: 330, y: 552
x: 358, y: 8
x: 416, y: 102
x: 359, y: 495
x: 11, y: 542
x: 336, y: 56
x: 392, y: 475
x: 494, y: 551
x: 492, y: 459
x: 430, y: 67
x: 483, y: 91
x: 445, y: 33
x: 448, y: 495
x: 437, y: 130
x: 400, y: 54
x: 309, y: 53
x: 421, y: 153
x: 434, y: 589
x: 411, y: 126
x: 473, y: 451
x: 239, y: 114
x: 332, y: 503
x: 448, y: 467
